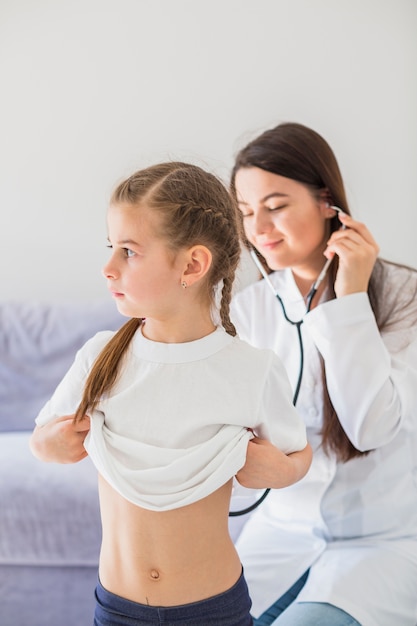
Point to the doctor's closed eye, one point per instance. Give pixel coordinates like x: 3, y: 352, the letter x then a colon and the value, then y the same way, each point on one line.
x: 246, y: 212
x: 276, y: 208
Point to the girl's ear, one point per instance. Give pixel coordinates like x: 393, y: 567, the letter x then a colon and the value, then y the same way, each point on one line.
x: 198, y: 263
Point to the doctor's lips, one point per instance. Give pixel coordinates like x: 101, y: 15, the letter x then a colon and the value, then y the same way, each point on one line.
x: 269, y: 245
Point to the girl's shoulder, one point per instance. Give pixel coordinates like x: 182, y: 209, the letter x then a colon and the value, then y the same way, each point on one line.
x: 93, y: 346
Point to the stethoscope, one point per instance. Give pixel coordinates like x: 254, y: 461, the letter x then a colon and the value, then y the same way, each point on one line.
x: 297, y: 324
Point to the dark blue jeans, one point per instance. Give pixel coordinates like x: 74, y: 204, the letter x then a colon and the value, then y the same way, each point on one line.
x: 230, y: 608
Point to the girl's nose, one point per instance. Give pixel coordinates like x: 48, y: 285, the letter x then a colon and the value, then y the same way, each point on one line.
x: 109, y: 270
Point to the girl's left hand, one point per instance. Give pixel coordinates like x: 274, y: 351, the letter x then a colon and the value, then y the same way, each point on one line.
x: 357, y: 251
x: 268, y: 467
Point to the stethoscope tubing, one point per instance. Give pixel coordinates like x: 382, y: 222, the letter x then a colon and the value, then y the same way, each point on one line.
x: 297, y: 324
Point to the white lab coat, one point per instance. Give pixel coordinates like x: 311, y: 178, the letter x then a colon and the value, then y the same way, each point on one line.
x: 353, y: 524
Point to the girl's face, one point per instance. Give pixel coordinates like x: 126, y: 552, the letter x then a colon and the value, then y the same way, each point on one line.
x: 143, y: 274
x: 283, y: 221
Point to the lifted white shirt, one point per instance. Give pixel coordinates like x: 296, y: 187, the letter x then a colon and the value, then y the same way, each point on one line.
x: 175, y: 426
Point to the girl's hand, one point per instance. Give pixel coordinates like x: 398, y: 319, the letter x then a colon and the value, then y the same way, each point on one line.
x: 60, y: 441
x: 266, y: 466
x: 357, y: 251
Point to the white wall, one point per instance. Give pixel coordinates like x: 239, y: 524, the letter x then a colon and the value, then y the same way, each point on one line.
x: 94, y: 89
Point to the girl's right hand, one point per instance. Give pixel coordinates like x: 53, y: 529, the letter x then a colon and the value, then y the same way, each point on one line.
x: 60, y: 441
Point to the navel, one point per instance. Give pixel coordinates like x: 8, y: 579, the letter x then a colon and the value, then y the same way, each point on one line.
x: 154, y: 574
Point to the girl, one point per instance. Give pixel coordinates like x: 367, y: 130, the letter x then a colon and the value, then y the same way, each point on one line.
x: 171, y: 400
x: 347, y: 533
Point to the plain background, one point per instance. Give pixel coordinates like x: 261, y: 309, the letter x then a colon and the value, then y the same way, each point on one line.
x: 92, y: 90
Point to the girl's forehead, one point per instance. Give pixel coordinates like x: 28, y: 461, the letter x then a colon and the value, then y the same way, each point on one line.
x: 132, y: 213
x: 129, y: 217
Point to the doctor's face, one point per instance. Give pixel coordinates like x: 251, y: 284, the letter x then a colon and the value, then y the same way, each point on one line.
x: 283, y: 220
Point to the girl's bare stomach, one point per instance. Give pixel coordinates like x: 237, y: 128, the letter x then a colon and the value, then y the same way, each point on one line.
x: 167, y: 558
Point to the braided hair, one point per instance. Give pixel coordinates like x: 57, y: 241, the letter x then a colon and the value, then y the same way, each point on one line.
x: 194, y: 208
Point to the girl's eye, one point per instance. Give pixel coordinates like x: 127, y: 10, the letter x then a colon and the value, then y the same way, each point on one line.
x: 126, y: 252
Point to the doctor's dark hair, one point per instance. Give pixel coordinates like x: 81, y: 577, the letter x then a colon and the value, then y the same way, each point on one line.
x: 297, y: 152
x: 193, y: 208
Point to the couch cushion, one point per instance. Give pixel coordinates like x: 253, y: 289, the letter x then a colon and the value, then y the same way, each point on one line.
x: 38, y: 342
x: 49, y: 513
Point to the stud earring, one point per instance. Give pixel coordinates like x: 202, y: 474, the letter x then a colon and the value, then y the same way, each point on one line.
x: 184, y: 284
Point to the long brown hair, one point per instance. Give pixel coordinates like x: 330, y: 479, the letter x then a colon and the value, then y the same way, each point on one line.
x: 295, y: 151
x: 194, y: 207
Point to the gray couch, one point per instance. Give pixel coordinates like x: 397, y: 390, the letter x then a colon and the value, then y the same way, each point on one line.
x: 49, y: 514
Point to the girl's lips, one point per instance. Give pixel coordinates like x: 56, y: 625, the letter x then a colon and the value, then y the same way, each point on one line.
x: 116, y: 294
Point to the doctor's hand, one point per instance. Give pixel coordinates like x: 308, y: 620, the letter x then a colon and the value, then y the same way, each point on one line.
x: 60, y: 441
x: 267, y: 467
x: 357, y: 251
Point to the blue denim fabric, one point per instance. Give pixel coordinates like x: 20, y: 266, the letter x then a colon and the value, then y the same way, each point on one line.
x: 282, y: 603
x: 230, y: 608
x: 314, y: 614
x: 286, y: 612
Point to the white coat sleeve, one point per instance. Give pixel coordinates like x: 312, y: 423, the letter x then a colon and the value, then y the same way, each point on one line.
x: 373, y: 390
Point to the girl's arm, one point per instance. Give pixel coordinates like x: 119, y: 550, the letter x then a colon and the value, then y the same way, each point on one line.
x: 267, y: 467
x: 60, y: 440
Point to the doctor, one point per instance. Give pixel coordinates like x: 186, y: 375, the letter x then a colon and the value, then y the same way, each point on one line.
x: 340, y: 547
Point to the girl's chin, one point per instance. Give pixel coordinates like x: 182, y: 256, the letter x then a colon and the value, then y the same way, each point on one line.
x: 126, y: 310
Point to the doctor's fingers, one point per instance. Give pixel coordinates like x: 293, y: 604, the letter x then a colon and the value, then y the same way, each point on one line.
x: 357, y: 240
x: 352, y: 248
x: 353, y: 226
x: 356, y: 262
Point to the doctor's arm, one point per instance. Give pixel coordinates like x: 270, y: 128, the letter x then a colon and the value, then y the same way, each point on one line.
x: 371, y: 379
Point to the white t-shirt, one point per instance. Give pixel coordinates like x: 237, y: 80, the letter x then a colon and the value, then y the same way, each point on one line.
x: 175, y: 426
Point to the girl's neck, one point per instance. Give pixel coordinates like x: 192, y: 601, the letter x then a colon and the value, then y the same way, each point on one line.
x: 169, y: 332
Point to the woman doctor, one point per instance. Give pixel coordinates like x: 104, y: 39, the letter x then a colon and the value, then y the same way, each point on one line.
x: 339, y: 547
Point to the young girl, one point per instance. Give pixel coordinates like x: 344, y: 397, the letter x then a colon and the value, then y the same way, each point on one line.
x: 172, y: 401
x: 340, y: 546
